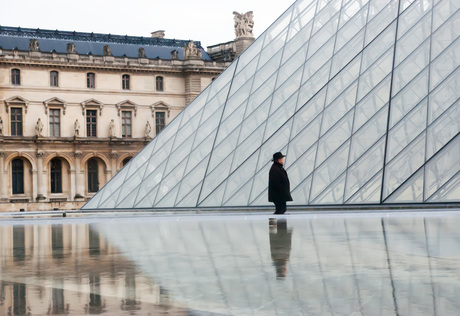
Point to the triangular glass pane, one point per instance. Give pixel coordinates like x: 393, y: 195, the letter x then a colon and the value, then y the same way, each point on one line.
x: 369, y: 193
x: 241, y: 197
x: 384, y: 18
x: 444, y: 165
x: 128, y: 202
x: 150, y: 182
x: 110, y: 202
x: 171, y: 181
x: 245, y: 170
x: 275, y: 143
x: 444, y: 96
x: 450, y: 192
x: 356, y: 20
x: 216, y: 177
x: 404, y: 165
x: 169, y: 199
x: 191, y: 180
x: 409, y: 192
x: 247, y: 147
x: 261, y: 200
x: 147, y: 200
x: 443, y: 11
x: 305, y: 139
x: 191, y: 199
x: 302, y: 167
x: 260, y: 184
x: 347, y: 53
x: 445, y: 35
x: 214, y: 198
x: 444, y: 64
x: 380, y: 46
x: 333, y: 194
x: 301, y: 194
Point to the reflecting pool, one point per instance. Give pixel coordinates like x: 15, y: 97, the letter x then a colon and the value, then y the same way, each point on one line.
x: 399, y: 263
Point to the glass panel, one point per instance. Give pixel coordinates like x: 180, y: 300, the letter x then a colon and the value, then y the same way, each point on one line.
x: 449, y: 193
x: 372, y: 103
x: 147, y: 200
x: 275, y: 143
x: 237, y: 101
x: 314, y: 84
x: 318, y: 60
x: 241, y: 197
x: 280, y: 116
x: 223, y: 150
x: 244, y: 172
x: 406, y: 130
x: 445, y: 35
x: 411, y: 67
x: 130, y: 184
x: 169, y: 182
x: 112, y: 185
x: 339, y: 107
x: 369, y: 193
x: 411, y: 191
x: 353, y: 10
x: 300, y: 20
x: 273, y: 47
x: 378, y: 47
x: 128, y: 202
x: 150, y: 183
x: 334, y: 138
x: 444, y: 64
x: 412, y: 94
x: 413, y: 15
x: 168, y: 200
x: 343, y: 79
x: 214, y: 198
x: 370, y: 79
x: 442, y: 131
x: 444, y: 96
x: 215, y: 177
x: 319, y: 39
x: 374, y: 129
x: 250, y: 54
x: 376, y: 6
x: 325, y: 14
x: 280, y: 97
x: 248, y: 146
x: 298, y: 44
x: 330, y: 170
x: 302, y: 141
x: 263, y: 93
x: 270, y: 69
x: 291, y: 66
x: 257, y: 119
x: 382, y: 20
x: 191, y: 199
x: 301, y: 194
x: 443, y: 11
x: 199, y: 153
x: 244, y: 78
x: 347, y: 53
x: 222, y: 80
x: 192, y: 179
x: 308, y: 112
x: 260, y: 184
x: 355, y: 25
x: 404, y: 165
x: 414, y: 37
x: 442, y: 167
x: 365, y: 168
x: 333, y: 194
x: 302, y: 167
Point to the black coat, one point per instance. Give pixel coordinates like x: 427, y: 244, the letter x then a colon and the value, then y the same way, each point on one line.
x: 278, y: 184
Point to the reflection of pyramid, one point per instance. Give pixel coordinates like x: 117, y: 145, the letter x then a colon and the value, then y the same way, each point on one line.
x: 363, y: 96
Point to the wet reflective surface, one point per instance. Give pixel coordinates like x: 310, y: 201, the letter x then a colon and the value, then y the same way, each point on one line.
x: 298, y: 264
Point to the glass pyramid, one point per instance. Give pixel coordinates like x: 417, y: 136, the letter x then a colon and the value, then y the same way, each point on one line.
x: 362, y: 95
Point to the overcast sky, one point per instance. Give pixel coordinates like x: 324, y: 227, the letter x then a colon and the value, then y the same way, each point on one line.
x: 208, y: 21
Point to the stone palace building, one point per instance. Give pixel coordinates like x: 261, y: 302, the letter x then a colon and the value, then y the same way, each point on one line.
x: 75, y: 107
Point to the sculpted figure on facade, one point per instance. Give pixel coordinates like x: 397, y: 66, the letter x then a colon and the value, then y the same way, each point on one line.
x: 76, y: 128
x: 148, y: 129
x: 1, y: 126
x: 244, y: 24
x: 174, y: 54
x: 39, y: 128
x: 141, y: 52
x: 33, y: 45
x: 112, y: 128
x: 191, y: 51
x: 71, y: 48
x: 107, y: 51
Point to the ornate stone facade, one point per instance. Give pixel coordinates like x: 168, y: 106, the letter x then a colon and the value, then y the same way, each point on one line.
x: 71, y: 119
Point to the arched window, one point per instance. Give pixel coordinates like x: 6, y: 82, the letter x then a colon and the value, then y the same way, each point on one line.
x: 159, y: 83
x: 17, y: 166
x: 90, y: 80
x: 125, y: 82
x: 54, y: 79
x: 56, y: 176
x: 125, y: 161
x: 15, y: 77
x: 93, y: 175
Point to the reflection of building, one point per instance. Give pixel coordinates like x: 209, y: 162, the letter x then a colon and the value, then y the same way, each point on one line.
x: 362, y: 96
x: 75, y: 107
x: 70, y: 269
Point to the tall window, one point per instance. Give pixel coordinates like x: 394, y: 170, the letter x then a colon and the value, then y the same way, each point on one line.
x: 126, y: 160
x: 56, y: 176
x: 159, y: 83
x: 126, y: 123
x: 54, y: 79
x: 125, y: 82
x: 55, y: 122
x: 16, y: 121
x: 159, y: 121
x: 90, y: 80
x: 91, y: 123
x: 15, y: 77
x: 17, y: 166
x: 93, y: 175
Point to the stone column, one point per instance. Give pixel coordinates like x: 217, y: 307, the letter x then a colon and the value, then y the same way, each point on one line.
x: 72, y: 184
x: 114, y: 157
x: 41, y: 189
x: 3, y: 178
x: 79, y: 178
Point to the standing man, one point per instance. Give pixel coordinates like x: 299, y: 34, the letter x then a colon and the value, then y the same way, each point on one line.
x: 279, y: 190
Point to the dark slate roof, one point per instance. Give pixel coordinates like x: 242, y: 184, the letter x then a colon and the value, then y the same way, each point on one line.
x: 85, y: 43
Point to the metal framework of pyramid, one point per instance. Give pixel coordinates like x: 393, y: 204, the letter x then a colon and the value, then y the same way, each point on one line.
x: 362, y: 95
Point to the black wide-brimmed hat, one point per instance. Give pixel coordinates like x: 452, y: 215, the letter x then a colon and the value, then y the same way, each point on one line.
x: 277, y: 156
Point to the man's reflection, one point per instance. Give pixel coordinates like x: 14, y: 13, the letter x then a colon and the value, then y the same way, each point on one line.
x: 280, y: 245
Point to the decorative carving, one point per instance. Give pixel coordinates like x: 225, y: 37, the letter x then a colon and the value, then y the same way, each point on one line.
x: 33, y: 45
x: 1, y: 127
x: 191, y: 51
x: 77, y: 154
x: 112, y: 128
x: 244, y: 23
x: 2, y: 154
x: 113, y: 155
x: 39, y: 128
x: 107, y: 51
x: 71, y: 48
x: 39, y: 154
x: 174, y: 54
x: 141, y: 53
x: 148, y: 129
x: 76, y: 128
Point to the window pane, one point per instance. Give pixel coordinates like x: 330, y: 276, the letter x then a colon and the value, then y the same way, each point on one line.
x: 91, y: 121
x: 54, y: 79
x: 15, y: 77
x: 126, y: 123
x: 90, y: 80
x: 16, y: 121
x: 55, y: 122
x: 159, y: 122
